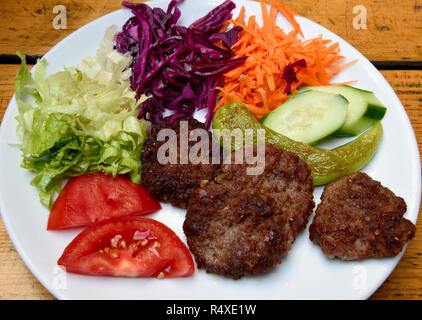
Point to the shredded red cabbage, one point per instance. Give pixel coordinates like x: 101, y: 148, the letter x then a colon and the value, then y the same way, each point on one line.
x: 289, y: 73
x: 177, y: 67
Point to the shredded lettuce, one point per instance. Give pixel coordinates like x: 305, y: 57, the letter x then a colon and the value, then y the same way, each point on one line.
x: 82, y: 119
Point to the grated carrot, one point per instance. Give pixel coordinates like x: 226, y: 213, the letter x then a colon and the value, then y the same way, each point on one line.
x: 259, y: 83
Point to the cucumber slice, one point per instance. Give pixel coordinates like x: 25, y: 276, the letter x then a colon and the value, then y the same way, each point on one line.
x: 309, y: 116
x: 364, y: 108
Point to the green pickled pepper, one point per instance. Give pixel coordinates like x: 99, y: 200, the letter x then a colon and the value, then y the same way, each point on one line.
x: 326, y: 165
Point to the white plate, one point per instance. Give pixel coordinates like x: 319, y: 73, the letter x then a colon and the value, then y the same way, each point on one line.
x: 304, y: 274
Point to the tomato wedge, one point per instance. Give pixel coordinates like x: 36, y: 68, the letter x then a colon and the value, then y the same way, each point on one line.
x: 131, y: 246
x: 94, y: 197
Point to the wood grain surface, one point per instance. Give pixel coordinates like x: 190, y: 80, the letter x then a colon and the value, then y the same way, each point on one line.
x: 17, y: 282
x: 393, y: 27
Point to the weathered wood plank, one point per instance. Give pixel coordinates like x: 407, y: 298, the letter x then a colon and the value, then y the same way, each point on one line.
x: 393, y: 27
x: 7, y: 85
x: 17, y: 282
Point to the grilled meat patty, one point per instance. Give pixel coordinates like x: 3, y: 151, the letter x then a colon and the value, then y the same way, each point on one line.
x: 358, y: 218
x: 174, y: 182
x: 242, y: 224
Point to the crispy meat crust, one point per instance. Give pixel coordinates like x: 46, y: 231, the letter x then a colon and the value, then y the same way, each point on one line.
x: 174, y: 182
x: 241, y: 224
x: 358, y: 218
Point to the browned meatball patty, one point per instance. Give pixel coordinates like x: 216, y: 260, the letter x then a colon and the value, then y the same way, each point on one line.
x: 243, y: 224
x: 174, y: 182
x: 358, y: 218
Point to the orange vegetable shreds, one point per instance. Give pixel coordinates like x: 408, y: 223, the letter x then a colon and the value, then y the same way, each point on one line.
x: 275, y: 57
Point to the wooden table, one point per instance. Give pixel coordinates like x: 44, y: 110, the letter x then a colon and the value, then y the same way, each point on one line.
x: 392, y: 40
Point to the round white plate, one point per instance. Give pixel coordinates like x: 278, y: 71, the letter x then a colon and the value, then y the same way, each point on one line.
x: 304, y: 274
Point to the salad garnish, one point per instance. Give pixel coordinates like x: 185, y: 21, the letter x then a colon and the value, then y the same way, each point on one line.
x: 94, y: 197
x: 82, y: 119
x: 326, y: 165
x: 261, y: 83
x: 177, y: 67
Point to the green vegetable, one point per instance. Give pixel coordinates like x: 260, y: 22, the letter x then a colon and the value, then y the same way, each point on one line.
x: 82, y: 119
x: 364, y: 108
x: 326, y: 165
x: 309, y: 117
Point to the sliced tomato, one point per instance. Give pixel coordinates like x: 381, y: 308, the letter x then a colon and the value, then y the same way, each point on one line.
x: 94, y: 197
x: 131, y: 246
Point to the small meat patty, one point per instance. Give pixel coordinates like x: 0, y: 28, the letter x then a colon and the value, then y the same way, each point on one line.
x: 358, y: 218
x: 174, y: 182
x: 242, y: 224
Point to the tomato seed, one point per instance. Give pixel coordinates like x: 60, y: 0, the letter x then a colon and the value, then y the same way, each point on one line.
x: 114, y: 241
